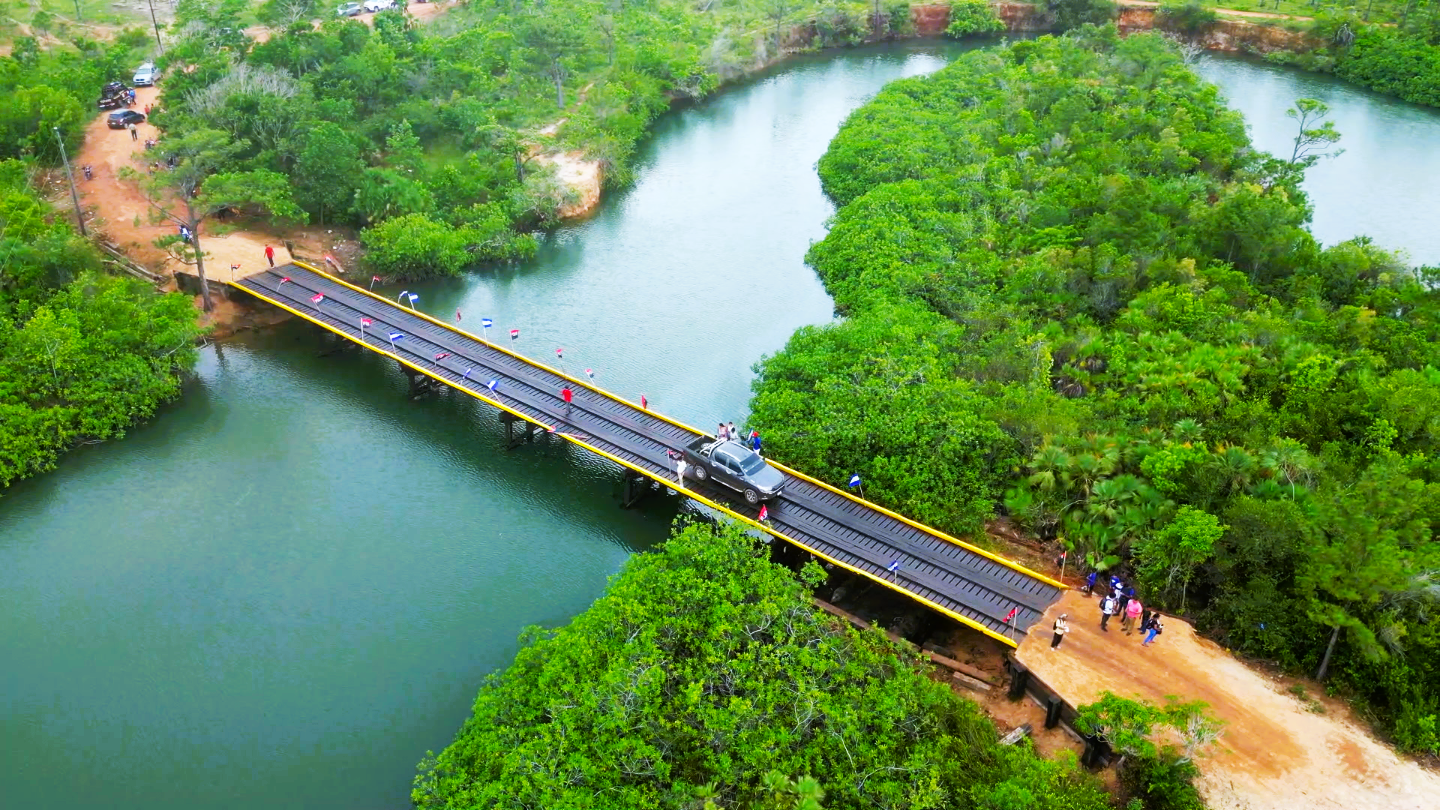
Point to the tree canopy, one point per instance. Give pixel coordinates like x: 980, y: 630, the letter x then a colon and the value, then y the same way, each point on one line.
x: 704, y: 677
x: 1075, y: 294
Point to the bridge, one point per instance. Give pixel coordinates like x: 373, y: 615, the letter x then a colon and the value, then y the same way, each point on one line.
x: 971, y: 585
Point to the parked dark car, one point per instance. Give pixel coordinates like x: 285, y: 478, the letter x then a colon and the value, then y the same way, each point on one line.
x: 113, y: 96
x: 736, y: 466
x: 124, y: 118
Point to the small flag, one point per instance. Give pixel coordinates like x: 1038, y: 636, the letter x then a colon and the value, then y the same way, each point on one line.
x: 764, y: 512
x: 373, y: 278
x: 855, y: 480
x: 1011, y: 614
x: 644, y: 403
x: 317, y: 298
x: 560, y: 352
x: 514, y: 333
x: 893, y: 566
x: 1064, y: 554
x: 457, y: 315
x: 486, y: 323
x: 442, y: 355
x: 590, y: 373
x: 366, y: 322
x: 492, y: 385
x: 282, y: 281
x: 467, y: 373
x: 394, y: 336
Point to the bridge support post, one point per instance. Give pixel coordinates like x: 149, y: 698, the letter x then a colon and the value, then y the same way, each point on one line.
x: 419, y: 383
x: 636, y: 487
x: 511, y: 440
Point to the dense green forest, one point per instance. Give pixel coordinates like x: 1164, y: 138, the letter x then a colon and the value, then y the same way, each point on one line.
x: 427, y: 136
x: 1075, y: 294
x: 83, y: 355
x: 1401, y: 60
x: 705, y: 678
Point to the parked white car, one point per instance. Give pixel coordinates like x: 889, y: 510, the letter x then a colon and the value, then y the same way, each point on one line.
x: 379, y: 5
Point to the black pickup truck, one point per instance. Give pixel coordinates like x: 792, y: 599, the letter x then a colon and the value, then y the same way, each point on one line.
x: 736, y: 466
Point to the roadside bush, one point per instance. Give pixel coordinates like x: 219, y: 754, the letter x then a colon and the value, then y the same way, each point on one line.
x: 1164, y: 782
x: 413, y: 246
x: 970, y: 17
x: 1189, y: 17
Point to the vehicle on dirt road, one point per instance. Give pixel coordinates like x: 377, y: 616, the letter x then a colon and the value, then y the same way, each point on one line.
x: 736, y: 466
x: 113, y: 96
x: 145, y: 75
x: 124, y: 118
x: 349, y: 10
x: 379, y: 5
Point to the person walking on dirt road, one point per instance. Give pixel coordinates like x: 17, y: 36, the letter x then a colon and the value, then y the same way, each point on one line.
x: 1154, y: 630
x: 1108, y: 606
x: 134, y: 133
x: 1132, y: 612
x: 270, y: 255
x: 1061, y: 628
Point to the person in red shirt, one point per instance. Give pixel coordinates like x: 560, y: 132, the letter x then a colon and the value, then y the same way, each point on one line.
x: 566, y: 395
x: 270, y: 255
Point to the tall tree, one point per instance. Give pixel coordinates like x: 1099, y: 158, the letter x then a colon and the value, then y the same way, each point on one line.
x: 195, y: 189
x: 1315, y: 135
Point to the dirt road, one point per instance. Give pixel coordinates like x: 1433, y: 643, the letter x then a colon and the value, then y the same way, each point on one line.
x: 1274, y: 755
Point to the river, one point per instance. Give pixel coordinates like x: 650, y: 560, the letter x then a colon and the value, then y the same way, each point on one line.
x: 289, y: 586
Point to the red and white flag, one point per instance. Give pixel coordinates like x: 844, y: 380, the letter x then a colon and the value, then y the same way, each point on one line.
x: 442, y: 355
x: 1011, y: 614
x: 560, y: 353
x: 514, y: 333
x: 366, y: 322
x: 764, y: 513
x: 317, y: 298
x: 374, y: 278
x: 457, y: 315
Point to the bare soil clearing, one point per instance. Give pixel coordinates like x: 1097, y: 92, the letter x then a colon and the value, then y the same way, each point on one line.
x: 1274, y: 754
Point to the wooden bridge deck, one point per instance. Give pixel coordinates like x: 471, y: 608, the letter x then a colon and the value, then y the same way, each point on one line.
x: 969, y: 584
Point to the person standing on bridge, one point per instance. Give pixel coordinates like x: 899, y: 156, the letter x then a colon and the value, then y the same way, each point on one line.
x: 1061, y: 628
x: 680, y: 466
x: 755, y: 441
x: 722, y: 433
x: 567, y: 395
x: 732, y: 432
x: 270, y: 255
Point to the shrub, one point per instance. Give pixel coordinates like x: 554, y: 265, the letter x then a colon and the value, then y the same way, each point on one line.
x: 970, y: 17
x: 413, y: 246
x: 1189, y: 17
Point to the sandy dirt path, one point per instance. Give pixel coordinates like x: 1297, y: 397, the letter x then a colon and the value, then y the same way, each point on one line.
x: 1274, y: 754
x: 1225, y: 12
x: 125, y: 217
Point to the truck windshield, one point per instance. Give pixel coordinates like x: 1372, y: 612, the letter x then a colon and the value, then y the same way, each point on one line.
x: 751, y: 463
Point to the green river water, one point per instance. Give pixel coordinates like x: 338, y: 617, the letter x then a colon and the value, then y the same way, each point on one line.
x: 288, y: 586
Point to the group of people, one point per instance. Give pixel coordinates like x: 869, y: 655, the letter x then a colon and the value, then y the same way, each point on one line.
x: 731, y: 433
x: 1119, y: 600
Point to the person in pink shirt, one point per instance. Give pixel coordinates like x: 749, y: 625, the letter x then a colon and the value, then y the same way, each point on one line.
x: 1132, y: 612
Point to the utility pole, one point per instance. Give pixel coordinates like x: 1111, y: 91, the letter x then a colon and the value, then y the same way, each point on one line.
x: 153, y: 22
x: 74, y: 195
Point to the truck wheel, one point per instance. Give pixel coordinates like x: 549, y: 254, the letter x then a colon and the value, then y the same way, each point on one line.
x: 752, y: 497
x: 701, y: 473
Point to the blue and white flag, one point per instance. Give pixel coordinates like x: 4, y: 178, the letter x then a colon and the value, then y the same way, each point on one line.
x: 492, y: 385
x: 893, y: 567
x: 855, y: 480
x: 394, y: 336
x: 486, y: 322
